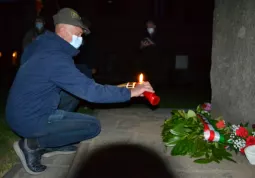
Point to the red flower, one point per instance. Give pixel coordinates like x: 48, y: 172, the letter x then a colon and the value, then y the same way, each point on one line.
x: 220, y: 124
x: 206, y: 106
x: 242, y: 150
x: 242, y: 132
x: 250, y: 141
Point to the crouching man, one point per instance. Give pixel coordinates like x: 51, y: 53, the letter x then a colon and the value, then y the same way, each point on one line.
x: 33, y: 110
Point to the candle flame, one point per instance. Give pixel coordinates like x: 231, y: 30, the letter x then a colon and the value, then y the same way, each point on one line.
x: 14, y: 54
x: 141, y: 78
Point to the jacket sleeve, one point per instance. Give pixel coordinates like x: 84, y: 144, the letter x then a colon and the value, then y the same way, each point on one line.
x: 67, y: 77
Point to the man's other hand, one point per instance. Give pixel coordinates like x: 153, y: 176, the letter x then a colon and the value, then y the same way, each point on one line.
x: 140, y: 88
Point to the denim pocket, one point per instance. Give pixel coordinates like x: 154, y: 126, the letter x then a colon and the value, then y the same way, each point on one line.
x: 58, y: 115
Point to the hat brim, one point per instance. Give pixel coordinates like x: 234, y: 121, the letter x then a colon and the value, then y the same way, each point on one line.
x: 83, y: 26
x: 77, y: 23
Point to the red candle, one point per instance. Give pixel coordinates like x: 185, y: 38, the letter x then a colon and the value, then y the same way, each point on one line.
x: 151, y: 97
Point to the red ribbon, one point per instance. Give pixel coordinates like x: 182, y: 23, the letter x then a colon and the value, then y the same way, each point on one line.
x: 212, y: 135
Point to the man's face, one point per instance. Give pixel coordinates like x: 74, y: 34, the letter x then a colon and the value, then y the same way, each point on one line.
x: 151, y: 25
x: 39, y: 24
x: 73, y: 30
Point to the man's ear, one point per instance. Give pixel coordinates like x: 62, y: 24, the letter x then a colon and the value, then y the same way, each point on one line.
x: 62, y: 32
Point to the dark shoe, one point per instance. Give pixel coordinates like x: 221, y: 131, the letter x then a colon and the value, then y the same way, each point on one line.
x: 70, y: 149
x: 30, y: 159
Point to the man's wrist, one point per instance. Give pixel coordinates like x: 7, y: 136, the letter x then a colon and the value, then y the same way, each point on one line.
x: 131, y: 93
x: 129, y: 87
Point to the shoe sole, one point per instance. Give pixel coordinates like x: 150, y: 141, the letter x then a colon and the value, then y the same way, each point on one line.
x: 22, y: 158
x: 54, y: 153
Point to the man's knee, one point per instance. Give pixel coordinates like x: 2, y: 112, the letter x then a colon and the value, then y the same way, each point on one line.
x: 97, y: 127
x: 92, y: 128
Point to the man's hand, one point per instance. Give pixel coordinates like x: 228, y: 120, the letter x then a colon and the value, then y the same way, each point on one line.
x: 145, y: 44
x: 140, y: 88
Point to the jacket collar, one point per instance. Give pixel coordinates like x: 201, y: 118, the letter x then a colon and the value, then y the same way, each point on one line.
x: 66, y: 47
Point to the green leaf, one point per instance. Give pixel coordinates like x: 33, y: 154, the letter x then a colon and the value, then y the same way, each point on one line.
x: 196, y: 120
x: 226, y: 154
x: 229, y: 159
x: 182, y: 113
x: 216, y: 144
x: 178, y: 130
x: 194, y: 147
x: 190, y: 145
x: 172, y: 141
x: 198, y: 154
x: 216, y: 160
x: 201, y: 145
x: 216, y: 155
x: 203, y: 161
x: 191, y: 114
x: 207, y: 155
x: 187, y: 130
x: 221, y: 152
x: 179, y: 149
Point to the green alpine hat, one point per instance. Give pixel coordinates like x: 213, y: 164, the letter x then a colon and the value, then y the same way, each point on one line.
x: 70, y: 17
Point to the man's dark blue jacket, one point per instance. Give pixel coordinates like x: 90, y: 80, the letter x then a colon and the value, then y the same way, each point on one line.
x: 48, y: 69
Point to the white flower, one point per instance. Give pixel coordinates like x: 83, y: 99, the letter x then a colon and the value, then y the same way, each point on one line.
x: 253, y: 134
x: 232, y: 136
x: 239, y: 143
x: 234, y: 128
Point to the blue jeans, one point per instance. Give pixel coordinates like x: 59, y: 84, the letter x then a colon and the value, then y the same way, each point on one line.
x: 65, y: 127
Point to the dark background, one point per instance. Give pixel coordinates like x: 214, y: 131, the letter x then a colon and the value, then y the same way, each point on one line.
x: 186, y: 27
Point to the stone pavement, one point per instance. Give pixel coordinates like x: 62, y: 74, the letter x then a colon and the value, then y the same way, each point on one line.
x: 137, y: 125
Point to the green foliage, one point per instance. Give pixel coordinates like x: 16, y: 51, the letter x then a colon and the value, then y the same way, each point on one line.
x: 7, y: 156
x: 184, y: 133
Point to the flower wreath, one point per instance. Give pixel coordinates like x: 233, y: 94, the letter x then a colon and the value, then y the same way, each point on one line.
x: 196, y: 134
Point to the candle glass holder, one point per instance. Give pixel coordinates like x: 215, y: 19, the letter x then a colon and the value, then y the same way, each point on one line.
x: 152, y: 98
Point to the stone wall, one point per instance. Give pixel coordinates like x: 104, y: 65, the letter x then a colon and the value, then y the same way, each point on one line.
x: 233, y: 60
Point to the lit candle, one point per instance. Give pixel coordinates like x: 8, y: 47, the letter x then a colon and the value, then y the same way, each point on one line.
x: 140, y: 78
x: 151, y: 97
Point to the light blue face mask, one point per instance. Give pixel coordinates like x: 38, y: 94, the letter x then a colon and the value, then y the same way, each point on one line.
x: 150, y: 30
x: 76, y: 41
x: 39, y: 25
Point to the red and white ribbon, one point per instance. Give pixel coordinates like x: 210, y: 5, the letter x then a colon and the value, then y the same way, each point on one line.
x: 210, y: 133
x: 207, y: 125
x: 212, y: 136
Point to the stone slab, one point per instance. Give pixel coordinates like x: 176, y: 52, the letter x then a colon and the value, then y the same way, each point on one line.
x: 142, y: 126
x: 51, y: 172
